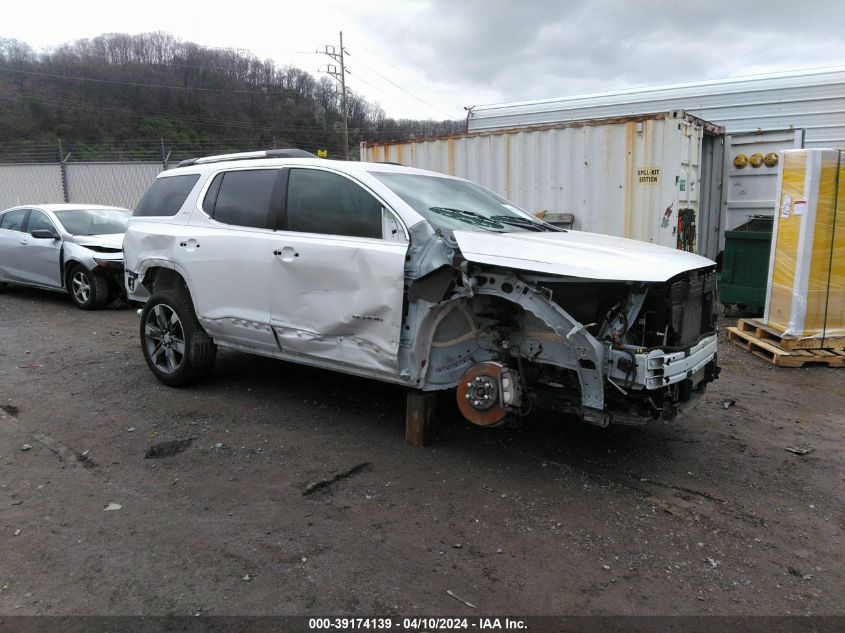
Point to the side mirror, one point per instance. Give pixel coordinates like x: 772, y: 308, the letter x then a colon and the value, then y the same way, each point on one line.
x: 44, y: 234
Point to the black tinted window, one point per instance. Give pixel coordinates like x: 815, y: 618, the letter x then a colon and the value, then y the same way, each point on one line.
x: 322, y: 202
x: 13, y: 220
x: 244, y: 197
x: 166, y: 195
x: 211, y: 194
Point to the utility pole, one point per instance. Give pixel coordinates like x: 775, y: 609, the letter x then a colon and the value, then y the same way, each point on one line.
x: 337, y: 54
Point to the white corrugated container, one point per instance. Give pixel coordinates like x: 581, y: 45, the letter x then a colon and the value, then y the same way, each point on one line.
x: 809, y: 100
x: 625, y: 176
x: 750, y: 190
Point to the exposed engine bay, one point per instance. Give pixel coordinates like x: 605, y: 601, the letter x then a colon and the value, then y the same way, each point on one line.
x: 608, y: 351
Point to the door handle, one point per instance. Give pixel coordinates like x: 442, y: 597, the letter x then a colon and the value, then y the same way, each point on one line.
x: 287, y: 253
x: 190, y: 244
x: 24, y: 241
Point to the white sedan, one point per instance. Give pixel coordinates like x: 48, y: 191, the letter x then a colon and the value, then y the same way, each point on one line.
x: 65, y: 247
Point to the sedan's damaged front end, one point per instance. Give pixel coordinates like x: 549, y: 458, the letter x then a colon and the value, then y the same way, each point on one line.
x: 100, y: 254
x: 627, y: 336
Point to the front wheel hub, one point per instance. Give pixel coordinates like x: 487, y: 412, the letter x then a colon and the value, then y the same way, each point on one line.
x: 482, y: 393
x: 487, y: 392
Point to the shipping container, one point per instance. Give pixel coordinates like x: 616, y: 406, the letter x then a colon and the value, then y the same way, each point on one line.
x: 812, y: 100
x: 654, y: 178
x: 761, y: 114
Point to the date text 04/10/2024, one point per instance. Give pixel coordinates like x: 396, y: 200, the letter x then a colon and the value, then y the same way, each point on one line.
x: 416, y: 624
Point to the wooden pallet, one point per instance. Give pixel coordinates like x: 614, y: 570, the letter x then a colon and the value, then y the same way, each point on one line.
x: 776, y: 355
x: 788, y: 342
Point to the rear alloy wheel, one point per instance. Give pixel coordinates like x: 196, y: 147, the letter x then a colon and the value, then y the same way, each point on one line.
x: 176, y: 348
x: 88, y: 290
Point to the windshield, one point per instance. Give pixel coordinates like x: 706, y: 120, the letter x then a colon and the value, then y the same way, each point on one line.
x: 451, y: 204
x: 93, y: 221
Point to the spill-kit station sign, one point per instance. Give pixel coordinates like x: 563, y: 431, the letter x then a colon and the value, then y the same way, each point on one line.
x: 648, y: 175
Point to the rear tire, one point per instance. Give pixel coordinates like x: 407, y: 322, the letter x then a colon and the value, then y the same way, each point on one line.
x: 176, y: 348
x: 89, y: 290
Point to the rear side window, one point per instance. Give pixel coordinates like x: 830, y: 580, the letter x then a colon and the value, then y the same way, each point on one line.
x: 323, y: 202
x: 13, y: 220
x: 166, y: 195
x: 244, y: 197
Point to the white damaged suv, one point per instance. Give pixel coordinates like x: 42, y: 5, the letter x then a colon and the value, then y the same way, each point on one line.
x: 415, y: 278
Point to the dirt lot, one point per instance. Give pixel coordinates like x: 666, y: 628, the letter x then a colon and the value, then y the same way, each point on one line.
x: 705, y: 515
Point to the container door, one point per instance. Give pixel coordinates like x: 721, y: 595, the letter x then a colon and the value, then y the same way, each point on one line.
x: 681, y: 231
x: 710, y: 208
x: 750, y: 175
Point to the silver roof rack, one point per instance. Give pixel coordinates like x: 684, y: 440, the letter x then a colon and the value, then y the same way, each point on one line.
x: 268, y: 153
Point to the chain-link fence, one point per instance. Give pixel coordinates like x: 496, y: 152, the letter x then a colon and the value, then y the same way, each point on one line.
x: 102, y: 171
x: 115, y: 184
x: 118, y: 184
x: 113, y: 171
x: 30, y: 184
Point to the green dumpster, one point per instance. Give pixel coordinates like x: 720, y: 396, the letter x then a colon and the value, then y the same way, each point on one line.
x: 745, y: 264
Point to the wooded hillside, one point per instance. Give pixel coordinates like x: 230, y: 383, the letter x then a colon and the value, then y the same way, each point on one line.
x: 118, y: 96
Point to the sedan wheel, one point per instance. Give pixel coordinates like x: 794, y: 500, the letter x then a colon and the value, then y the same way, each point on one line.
x: 81, y: 286
x: 88, y: 290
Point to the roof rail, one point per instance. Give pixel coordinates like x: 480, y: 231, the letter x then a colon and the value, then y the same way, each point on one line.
x: 268, y: 153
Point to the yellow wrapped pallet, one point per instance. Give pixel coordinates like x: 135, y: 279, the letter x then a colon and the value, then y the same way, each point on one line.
x: 806, y: 288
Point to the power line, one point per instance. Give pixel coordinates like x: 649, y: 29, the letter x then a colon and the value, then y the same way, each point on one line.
x: 332, y: 51
x: 221, y: 122
x: 251, y: 51
x: 410, y: 105
x: 144, y: 85
x: 269, y: 127
x: 221, y: 67
x: 395, y: 67
x: 393, y: 83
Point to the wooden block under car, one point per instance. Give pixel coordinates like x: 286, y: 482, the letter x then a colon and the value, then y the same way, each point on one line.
x: 420, y: 417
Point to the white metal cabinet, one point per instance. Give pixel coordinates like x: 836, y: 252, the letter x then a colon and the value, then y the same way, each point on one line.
x: 751, y: 190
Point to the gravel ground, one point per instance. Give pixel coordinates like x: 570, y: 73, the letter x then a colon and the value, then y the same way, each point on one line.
x: 705, y: 515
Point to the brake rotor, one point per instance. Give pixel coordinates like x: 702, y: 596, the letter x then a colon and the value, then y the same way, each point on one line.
x: 485, y: 392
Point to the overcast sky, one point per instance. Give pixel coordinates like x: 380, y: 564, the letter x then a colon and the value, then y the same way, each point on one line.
x: 429, y: 58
